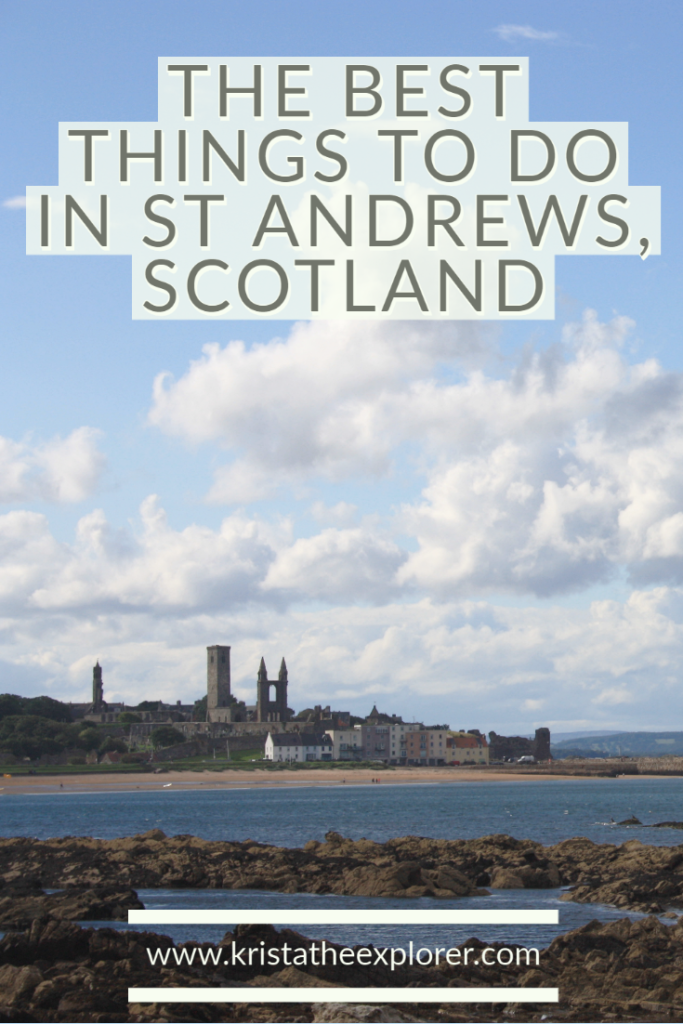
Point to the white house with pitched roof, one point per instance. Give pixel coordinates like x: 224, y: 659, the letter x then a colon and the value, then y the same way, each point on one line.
x: 299, y: 747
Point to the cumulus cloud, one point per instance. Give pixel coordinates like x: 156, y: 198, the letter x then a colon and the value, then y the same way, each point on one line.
x: 338, y: 565
x: 152, y: 567
x: 556, y: 476
x: 313, y: 404
x: 545, y: 476
x: 509, y: 33
x: 15, y: 203
x: 59, y: 470
x: 155, y: 568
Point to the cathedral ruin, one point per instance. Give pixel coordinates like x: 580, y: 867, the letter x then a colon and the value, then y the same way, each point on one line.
x: 222, y: 706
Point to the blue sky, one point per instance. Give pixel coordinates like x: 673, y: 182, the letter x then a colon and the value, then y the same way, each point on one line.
x: 482, y: 523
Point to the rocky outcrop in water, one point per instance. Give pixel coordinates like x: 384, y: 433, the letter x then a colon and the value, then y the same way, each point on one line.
x: 23, y: 902
x: 58, y: 972
x: 634, y: 876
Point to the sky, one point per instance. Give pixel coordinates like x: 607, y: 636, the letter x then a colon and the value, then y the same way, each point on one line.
x: 473, y: 523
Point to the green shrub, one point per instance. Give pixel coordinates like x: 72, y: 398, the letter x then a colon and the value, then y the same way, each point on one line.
x: 166, y: 736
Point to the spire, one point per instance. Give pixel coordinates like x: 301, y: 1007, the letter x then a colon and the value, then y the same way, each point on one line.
x: 283, y: 670
x: 262, y: 671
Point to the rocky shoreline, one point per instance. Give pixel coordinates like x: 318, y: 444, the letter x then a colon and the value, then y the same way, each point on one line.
x: 53, y: 969
x: 631, y: 876
x: 56, y: 971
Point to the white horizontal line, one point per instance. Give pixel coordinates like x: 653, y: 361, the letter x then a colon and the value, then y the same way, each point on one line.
x: 325, y: 917
x: 252, y: 994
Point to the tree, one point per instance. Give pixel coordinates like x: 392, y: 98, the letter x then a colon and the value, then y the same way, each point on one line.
x: 166, y: 736
x: 89, y: 738
x: 128, y: 718
x: 10, y: 704
x: 42, y: 707
x: 48, y: 707
x: 199, y: 713
x: 31, y: 735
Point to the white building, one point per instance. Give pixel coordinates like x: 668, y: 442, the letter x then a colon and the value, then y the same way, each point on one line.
x: 347, y: 744
x: 298, y: 746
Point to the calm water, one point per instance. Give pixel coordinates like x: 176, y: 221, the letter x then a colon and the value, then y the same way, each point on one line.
x: 545, y: 811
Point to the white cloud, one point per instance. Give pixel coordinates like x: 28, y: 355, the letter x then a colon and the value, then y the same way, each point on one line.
x: 553, y: 478
x: 15, y: 203
x: 156, y: 568
x: 337, y: 566
x: 60, y: 470
x: 511, y: 32
x: 544, y: 478
x: 313, y: 404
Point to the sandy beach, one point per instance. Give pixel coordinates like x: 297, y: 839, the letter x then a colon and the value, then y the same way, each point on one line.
x: 261, y: 778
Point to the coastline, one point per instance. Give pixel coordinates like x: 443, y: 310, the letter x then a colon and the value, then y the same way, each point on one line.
x: 263, y: 778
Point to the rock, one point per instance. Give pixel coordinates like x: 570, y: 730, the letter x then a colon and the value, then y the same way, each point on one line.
x: 632, y: 875
x: 506, y: 878
x: 290, y: 977
x: 341, y: 1013
x: 102, y: 903
x: 18, y: 983
x: 57, y: 972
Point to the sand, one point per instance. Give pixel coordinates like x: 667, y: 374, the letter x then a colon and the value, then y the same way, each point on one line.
x: 261, y: 778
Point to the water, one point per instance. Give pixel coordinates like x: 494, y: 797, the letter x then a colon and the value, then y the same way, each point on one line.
x: 544, y: 811
x: 571, y: 915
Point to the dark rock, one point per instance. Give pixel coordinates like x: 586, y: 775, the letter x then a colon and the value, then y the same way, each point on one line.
x: 102, y: 903
x: 623, y: 971
x: 98, y: 877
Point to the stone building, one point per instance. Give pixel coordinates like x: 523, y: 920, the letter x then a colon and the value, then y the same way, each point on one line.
x: 468, y: 747
x: 97, y: 688
x: 505, y: 747
x: 427, y: 746
x: 222, y: 706
x: 271, y: 695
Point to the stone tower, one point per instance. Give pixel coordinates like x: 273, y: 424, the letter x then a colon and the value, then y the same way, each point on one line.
x: 268, y: 710
x: 97, y: 689
x: 541, y: 745
x: 218, y: 677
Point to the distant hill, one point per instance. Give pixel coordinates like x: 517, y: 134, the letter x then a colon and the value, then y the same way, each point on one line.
x: 624, y: 744
x: 559, y: 737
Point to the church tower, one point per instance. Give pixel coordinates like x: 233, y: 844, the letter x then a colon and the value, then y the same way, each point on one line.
x: 97, y: 689
x: 218, y: 677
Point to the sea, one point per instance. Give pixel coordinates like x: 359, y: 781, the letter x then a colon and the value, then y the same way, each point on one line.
x: 540, y: 810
